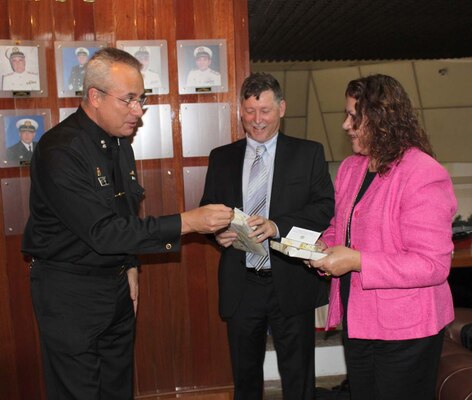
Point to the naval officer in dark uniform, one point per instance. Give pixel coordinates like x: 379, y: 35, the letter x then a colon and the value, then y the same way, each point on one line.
x: 21, y: 152
x: 76, y: 77
x: 83, y: 234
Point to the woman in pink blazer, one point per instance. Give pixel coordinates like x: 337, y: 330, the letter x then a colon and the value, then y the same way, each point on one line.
x: 389, y: 247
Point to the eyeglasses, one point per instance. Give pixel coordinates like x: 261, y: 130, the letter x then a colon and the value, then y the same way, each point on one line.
x: 131, y: 103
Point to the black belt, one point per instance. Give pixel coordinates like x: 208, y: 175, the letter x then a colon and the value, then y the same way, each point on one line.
x: 82, y: 270
x: 263, y: 273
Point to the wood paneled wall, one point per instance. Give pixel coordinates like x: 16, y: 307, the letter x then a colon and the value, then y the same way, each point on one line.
x: 181, y: 342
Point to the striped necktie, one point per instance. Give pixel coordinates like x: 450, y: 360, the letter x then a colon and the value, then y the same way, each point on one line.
x: 256, y: 200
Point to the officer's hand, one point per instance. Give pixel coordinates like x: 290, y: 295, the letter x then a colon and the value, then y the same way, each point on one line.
x: 207, y: 219
x: 133, y: 287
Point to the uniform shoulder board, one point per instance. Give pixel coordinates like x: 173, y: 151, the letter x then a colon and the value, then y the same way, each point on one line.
x: 214, y: 72
x: 32, y: 73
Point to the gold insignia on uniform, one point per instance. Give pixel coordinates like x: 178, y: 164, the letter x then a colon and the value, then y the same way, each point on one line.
x: 103, y: 181
x: 133, y: 175
x: 99, y: 173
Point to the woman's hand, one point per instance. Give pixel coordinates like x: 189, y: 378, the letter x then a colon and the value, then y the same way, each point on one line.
x: 339, y: 261
x: 321, y: 245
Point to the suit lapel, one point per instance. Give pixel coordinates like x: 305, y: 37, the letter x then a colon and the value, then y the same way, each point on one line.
x: 237, y: 170
x: 281, y: 161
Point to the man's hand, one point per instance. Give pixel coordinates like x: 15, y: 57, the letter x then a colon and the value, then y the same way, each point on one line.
x: 207, y: 219
x: 265, y: 228
x: 226, y: 238
x: 133, y: 287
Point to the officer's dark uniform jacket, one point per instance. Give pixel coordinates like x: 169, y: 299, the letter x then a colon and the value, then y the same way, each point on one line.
x: 73, y: 211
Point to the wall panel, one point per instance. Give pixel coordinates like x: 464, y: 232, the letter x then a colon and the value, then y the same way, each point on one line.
x: 296, y: 93
x: 445, y: 83
x: 181, y: 342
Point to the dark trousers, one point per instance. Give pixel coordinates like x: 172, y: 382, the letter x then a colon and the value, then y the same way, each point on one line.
x: 393, y: 369
x: 86, y: 326
x: 293, y: 340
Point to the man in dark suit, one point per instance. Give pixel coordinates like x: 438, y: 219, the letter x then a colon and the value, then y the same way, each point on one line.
x: 21, y: 152
x: 283, y: 293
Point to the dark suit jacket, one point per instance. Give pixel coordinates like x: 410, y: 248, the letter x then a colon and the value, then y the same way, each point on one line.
x: 18, y: 152
x: 302, y: 195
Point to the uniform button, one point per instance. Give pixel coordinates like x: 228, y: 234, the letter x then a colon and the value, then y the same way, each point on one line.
x: 168, y: 246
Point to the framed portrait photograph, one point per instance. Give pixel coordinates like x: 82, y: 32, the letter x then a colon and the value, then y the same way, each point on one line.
x: 71, y: 58
x: 153, y: 56
x: 202, y: 66
x: 20, y: 131
x: 22, y: 69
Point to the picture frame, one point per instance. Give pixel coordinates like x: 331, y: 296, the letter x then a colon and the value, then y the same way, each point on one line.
x: 153, y: 55
x: 202, y: 66
x: 71, y: 57
x: 20, y: 129
x: 23, y: 70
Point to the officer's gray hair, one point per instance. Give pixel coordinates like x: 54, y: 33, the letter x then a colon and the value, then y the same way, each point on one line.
x: 97, y: 69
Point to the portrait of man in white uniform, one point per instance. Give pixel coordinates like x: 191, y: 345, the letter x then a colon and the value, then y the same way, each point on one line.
x: 202, y: 75
x: 150, y: 75
x: 22, y: 74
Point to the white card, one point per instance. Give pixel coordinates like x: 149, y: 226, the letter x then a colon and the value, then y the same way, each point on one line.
x: 303, y: 235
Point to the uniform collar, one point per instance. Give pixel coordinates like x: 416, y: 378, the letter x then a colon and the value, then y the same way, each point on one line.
x: 95, y: 132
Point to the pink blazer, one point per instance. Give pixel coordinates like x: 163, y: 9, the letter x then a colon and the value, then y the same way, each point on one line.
x: 402, y: 227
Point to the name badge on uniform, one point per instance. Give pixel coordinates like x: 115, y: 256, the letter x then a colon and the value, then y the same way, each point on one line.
x: 103, y: 181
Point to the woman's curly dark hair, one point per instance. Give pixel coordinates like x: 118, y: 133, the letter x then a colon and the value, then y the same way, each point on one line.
x: 390, y: 122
